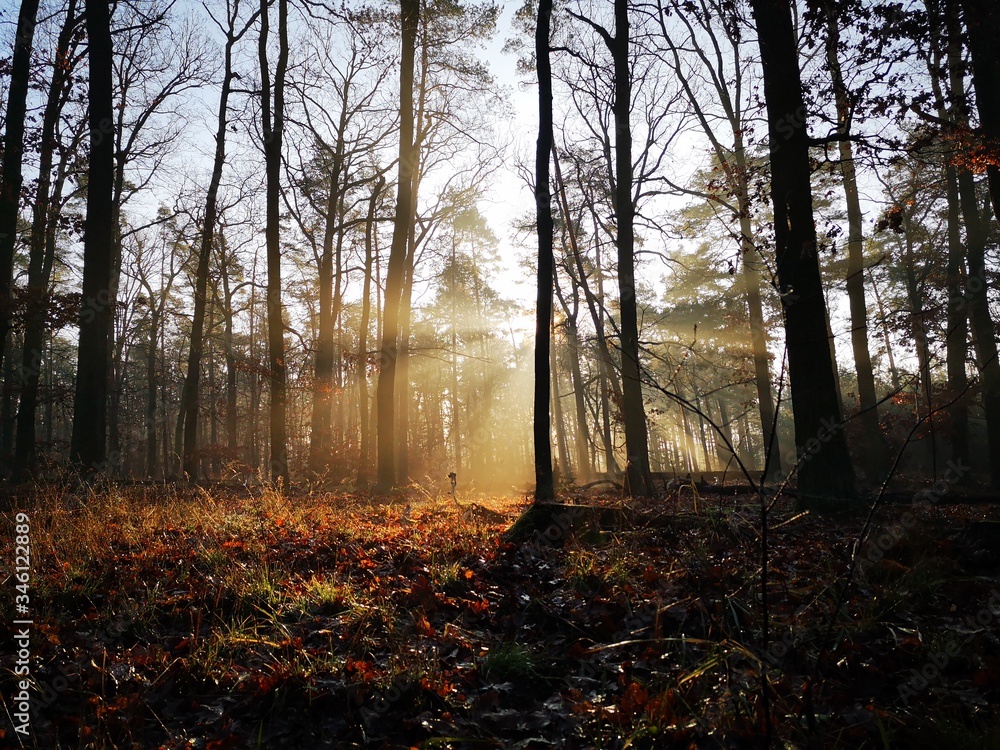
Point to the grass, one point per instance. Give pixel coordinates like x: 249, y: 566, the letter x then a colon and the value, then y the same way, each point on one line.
x: 509, y: 660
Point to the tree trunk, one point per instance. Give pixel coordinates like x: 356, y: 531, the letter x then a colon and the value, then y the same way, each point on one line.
x: 918, y: 321
x: 980, y: 19
x: 873, y: 448
x: 319, y: 440
x: 151, y: 393
x: 13, y: 153
x: 272, y: 130
x: 983, y: 328
x: 584, y: 469
x: 640, y: 481
x: 607, y: 379
x: 386, y: 394
x: 87, y: 446
x: 41, y: 253
x: 7, y: 403
x: 957, y: 333
x: 758, y: 336
x: 191, y: 397
x: 544, y: 479
x: 826, y: 476
x: 232, y: 425
x: 364, y: 459
x: 403, y: 368
x: 565, y: 469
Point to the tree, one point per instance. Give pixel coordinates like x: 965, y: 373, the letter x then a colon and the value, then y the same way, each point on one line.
x: 719, y: 54
x: 450, y: 119
x: 639, y: 478
x: 41, y: 244
x: 13, y: 152
x: 640, y: 481
x: 544, y: 481
x: 190, y: 396
x: 157, y: 298
x: 344, y: 134
x: 981, y: 20
x: 364, y: 452
x: 825, y: 476
x: 874, y: 454
x: 87, y: 448
x: 409, y: 19
x: 272, y: 128
x: 157, y: 59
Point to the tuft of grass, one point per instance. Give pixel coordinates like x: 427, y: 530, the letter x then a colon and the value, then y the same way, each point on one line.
x: 322, y: 596
x: 509, y: 660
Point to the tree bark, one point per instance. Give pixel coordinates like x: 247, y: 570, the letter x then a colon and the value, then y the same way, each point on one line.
x: 640, y: 481
x: 826, y: 476
x: 41, y: 253
x: 873, y: 448
x: 13, y: 154
x: 87, y: 446
x: 319, y: 440
x: 386, y: 393
x: 980, y: 20
x: 272, y: 129
x: 191, y: 396
x: 541, y: 421
x: 364, y: 452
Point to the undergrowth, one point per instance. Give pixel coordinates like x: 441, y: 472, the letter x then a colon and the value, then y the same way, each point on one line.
x: 181, y: 617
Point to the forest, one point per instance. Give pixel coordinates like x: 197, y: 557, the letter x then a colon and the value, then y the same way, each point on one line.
x: 448, y: 374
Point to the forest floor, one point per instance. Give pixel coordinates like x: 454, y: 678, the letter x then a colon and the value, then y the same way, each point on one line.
x: 188, y: 618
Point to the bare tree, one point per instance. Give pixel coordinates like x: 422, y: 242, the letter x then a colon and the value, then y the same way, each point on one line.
x: 409, y: 23
x: 41, y: 245
x: 88, y: 446
x: 544, y: 482
x: 980, y: 20
x: 13, y: 152
x: 826, y: 476
x: 234, y: 31
x: 272, y: 128
x: 640, y: 481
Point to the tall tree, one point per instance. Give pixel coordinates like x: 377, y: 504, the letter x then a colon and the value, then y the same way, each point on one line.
x: 190, y: 397
x: 947, y: 78
x: 640, y: 481
x: 156, y: 61
x: 87, y: 448
x: 874, y: 454
x: 981, y: 18
x: 638, y: 476
x: 41, y: 254
x: 544, y: 480
x: 409, y: 19
x: 364, y: 453
x: 272, y: 128
x: 13, y: 152
x: 825, y: 476
x: 722, y: 52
